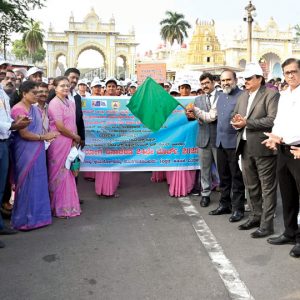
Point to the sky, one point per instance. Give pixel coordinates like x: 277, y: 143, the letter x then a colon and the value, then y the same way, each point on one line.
x: 145, y: 16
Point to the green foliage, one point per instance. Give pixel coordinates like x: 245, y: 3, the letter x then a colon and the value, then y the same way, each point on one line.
x: 174, y: 27
x: 20, y: 51
x: 14, y: 17
x: 33, y: 37
x: 39, y: 55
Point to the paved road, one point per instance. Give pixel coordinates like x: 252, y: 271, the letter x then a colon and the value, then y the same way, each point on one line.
x: 143, y: 245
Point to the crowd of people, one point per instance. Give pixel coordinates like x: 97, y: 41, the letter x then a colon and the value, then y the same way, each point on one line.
x: 248, y: 141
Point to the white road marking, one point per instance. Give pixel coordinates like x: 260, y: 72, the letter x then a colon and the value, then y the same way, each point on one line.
x: 235, y: 286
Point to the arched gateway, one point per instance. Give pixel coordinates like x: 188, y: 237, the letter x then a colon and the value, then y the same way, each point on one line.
x: 96, y: 35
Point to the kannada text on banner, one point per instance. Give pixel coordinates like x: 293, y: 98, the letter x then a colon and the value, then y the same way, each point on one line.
x: 117, y: 141
x: 158, y: 72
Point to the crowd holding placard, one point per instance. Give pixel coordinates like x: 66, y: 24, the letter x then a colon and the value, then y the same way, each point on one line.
x: 255, y: 123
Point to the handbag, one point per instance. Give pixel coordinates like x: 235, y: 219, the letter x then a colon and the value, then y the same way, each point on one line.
x: 75, y: 166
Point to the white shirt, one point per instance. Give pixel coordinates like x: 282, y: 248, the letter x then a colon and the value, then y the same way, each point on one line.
x: 250, y: 101
x: 5, y: 118
x: 72, y: 95
x: 211, y: 115
x: 287, y: 121
x: 212, y: 100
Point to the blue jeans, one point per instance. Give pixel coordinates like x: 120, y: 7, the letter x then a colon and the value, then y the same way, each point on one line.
x: 4, y: 160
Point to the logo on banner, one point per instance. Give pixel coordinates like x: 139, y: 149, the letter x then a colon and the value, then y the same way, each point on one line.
x: 99, y: 103
x: 115, y: 104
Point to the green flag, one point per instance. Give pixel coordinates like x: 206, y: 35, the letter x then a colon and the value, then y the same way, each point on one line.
x: 152, y: 105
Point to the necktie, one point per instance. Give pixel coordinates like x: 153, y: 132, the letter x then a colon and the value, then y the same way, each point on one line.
x: 208, y: 101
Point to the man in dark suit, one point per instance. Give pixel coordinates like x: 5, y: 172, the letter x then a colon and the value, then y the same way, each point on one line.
x: 231, y: 179
x: 73, y: 75
x: 253, y: 115
x: 207, y: 134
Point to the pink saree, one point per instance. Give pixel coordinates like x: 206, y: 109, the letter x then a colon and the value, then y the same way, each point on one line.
x: 62, y: 186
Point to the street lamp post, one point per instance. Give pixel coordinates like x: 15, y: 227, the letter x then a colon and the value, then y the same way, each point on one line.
x: 250, y: 13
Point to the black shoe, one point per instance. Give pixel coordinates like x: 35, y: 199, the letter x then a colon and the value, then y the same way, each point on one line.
x: 236, y: 216
x: 195, y: 192
x: 2, y: 245
x: 221, y: 210
x: 281, y: 240
x: 90, y: 179
x: 260, y: 233
x: 295, y: 252
x: 204, y: 202
x: 249, y: 225
x: 81, y: 201
x: 7, y: 231
x: 6, y: 214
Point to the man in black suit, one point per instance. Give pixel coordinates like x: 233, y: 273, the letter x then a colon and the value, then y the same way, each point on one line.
x: 73, y: 75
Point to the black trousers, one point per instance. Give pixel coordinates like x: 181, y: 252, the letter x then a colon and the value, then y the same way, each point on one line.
x: 231, y: 179
x: 288, y: 172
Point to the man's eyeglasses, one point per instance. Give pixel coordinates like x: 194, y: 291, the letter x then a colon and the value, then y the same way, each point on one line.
x: 292, y: 72
x: 64, y: 86
x: 205, y: 83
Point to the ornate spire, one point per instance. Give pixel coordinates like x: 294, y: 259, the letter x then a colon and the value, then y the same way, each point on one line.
x: 71, y: 19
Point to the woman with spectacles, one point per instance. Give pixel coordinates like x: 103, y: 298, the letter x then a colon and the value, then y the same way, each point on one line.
x: 62, y: 186
x: 32, y: 204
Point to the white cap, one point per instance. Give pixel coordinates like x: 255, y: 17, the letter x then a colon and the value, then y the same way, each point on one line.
x: 21, y: 70
x: 184, y: 82
x: 34, y: 70
x: 96, y: 81
x: 133, y: 85
x: 167, y: 84
x: 127, y: 81
x: 45, y: 80
x: 251, y: 69
x: 174, y: 89
x: 111, y: 79
x: 82, y: 81
x: 4, y: 62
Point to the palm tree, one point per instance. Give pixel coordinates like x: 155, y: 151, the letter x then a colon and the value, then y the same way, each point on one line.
x: 174, y: 28
x: 33, y: 37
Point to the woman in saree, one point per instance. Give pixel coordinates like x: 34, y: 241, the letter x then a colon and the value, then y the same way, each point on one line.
x: 32, y: 204
x: 181, y: 182
x: 106, y: 183
x: 62, y: 186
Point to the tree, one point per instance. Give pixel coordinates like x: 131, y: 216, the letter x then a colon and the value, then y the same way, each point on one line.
x: 39, y: 55
x: 14, y: 17
x: 174, y: 28
x: 33, y: 37
x: 20, y: 51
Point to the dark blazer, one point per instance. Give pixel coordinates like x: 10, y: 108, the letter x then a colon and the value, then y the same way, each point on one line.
x: 226, y: 134
x: 79, y: 117
x: 260, y: 119
x: 207, y: 131
x: 78, y: 113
